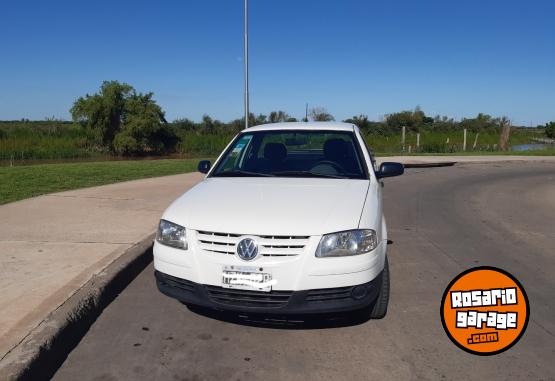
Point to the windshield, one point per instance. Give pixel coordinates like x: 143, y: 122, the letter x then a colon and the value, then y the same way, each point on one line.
x: 326, y: 154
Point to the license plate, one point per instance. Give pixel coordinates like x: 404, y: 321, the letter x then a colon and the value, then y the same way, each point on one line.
x: 246, y: 278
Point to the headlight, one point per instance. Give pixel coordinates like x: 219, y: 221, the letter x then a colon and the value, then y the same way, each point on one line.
x: 350, y: 242
x: 171, y: 234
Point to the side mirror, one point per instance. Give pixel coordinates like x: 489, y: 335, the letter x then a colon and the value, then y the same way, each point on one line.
x: 389, y: 169
x: 204, y: 166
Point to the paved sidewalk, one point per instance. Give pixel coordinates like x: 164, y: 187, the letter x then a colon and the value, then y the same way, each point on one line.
x: 51, y: 245
x: 466, y: 159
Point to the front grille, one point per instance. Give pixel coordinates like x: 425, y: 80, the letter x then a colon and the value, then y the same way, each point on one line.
x: 270, y: 245
x: 328, y: 294
x: 244, y: 298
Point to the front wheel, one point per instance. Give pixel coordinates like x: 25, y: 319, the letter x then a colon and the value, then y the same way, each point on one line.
x: 380, y: 307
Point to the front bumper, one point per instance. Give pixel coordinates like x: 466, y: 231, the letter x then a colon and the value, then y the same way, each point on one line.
x: 316, y: 301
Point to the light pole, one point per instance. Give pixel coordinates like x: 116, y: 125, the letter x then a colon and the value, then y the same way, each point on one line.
x: 246, y: 61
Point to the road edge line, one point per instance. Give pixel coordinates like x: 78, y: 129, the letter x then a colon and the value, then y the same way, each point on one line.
x: 39, y: 355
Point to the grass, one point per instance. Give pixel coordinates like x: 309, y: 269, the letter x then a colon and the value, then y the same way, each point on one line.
x: 21, y: 182
x: 194, y: 145
x: 437, y: 142
x: 46, y: 140
x: 33, y: 142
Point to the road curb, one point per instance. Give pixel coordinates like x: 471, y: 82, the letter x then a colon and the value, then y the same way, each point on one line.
x: 44, y: 349
x: 430, y: 165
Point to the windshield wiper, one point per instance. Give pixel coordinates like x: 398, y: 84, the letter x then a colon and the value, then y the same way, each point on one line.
x: 240, y: 172
x: 308, y: 174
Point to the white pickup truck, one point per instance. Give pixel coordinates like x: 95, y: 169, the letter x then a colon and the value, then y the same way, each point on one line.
x: 288, y: 220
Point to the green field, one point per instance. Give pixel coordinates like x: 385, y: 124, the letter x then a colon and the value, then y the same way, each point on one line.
x: 45, y: 140
x: 57, y: 141
x: 437, y: 142
x: 80, y: 161
x: 24, y: 181
x: 21, y: 182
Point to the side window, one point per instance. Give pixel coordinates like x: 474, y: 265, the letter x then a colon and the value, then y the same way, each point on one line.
x: 236, y: 156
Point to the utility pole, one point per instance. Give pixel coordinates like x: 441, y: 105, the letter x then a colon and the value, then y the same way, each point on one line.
x: 246, y: 61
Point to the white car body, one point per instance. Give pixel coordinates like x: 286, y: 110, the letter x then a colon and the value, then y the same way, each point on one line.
x: 277, y: 211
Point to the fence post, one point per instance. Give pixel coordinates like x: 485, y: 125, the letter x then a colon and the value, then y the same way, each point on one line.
x: 417, y: 140
x: 475, y: 141
x: 403, y: 138
x: 464, y: 140
x: 505, y: 133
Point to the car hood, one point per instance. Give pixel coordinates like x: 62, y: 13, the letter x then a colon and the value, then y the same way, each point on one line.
x: 271, y: 206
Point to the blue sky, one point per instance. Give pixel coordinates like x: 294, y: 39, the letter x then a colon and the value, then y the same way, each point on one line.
x: 351, y: 57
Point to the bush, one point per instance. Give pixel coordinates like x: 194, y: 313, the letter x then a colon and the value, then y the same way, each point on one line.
x: 128, y: 123
x: 45, y: 140
x: 192, y: 144
x: 550, y: 130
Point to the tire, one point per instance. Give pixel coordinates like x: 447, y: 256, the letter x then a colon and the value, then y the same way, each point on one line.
x: 380, y: 307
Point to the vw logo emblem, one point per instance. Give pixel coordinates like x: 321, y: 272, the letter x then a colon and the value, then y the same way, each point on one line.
x: 247, y: 249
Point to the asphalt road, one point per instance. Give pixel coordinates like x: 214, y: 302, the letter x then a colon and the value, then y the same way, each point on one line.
x: 442, y: 221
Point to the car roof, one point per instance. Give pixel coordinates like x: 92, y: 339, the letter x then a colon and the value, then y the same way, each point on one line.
x: 331, y: 126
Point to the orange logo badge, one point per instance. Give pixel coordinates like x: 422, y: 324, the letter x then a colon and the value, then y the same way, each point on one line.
x: 485, y: 310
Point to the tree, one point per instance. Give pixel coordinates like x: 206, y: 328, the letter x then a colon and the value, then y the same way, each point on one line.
x: 254, y: 120
x: 126, y: 122
x: 143, y: 128
x: 103, y: 112
x: 550, y: 130
x: 207, y: 125
x: 482, y: 122
x: 278, y: 117
x: 260, y: 119
x: 361, y: 121
x: 413, y: 120
x: 320, y: 114
x: 185, y: 125
x: 368, y: 126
